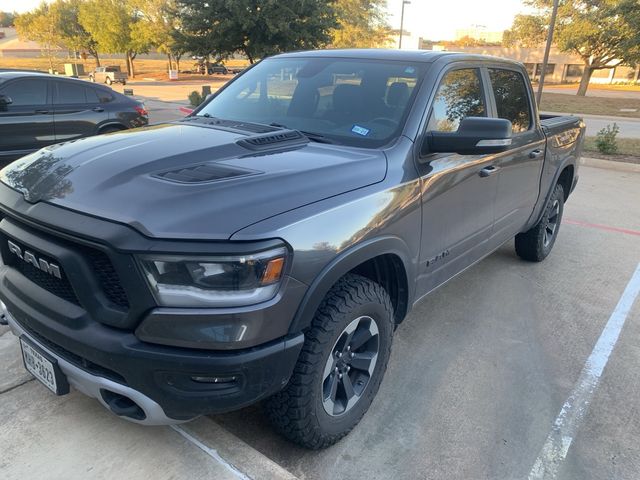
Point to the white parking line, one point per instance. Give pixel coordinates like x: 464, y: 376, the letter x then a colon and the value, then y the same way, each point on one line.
x: 575, y: 408
x: 211, y: 452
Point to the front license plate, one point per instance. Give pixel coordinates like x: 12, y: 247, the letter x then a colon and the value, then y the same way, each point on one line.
x: 42, y: 367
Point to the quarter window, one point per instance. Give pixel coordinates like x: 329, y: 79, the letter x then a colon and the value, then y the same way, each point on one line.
x: 512, y: 99
x: 28, y: 91
x: 458, y: 96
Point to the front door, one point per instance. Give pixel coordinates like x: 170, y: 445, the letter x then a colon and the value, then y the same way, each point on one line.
x: 26, y: 124
x: 458, y: 191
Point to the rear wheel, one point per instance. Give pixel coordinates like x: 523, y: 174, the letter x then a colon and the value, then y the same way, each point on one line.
x: 535, y: 244
x: 340, y: 367
x: 92, y: 78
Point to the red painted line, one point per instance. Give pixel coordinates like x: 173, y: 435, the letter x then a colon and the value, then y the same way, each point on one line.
x: 601, y: 227
x: 186, y: 110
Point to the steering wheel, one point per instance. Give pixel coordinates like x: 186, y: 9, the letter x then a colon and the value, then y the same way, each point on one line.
x: 386, y: 121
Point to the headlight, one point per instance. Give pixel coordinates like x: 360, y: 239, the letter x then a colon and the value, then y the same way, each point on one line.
x: 214, y: 281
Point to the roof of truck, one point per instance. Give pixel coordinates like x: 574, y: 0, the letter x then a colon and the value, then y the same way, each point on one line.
x: 426, y: 56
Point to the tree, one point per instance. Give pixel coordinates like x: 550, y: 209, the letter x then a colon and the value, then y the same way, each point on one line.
x: 256, y: 28
x: 72, y: 34
x: 7, y: 19
x: 603, y: 33
x: 112, y: 24
x: 361, y: 24
x: 157, y: 23
x: 41, y: 25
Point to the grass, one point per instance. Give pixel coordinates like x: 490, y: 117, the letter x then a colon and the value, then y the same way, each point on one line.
x: 626, y: 146
x: 559, y: 102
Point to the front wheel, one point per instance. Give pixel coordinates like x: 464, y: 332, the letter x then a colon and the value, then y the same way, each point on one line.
x: 536, y: 243
x: 108, y: 81
x: 92, y: 78
x: 341, y: 365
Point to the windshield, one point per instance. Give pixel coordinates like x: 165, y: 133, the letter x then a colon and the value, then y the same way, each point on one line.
x: 352, y: 102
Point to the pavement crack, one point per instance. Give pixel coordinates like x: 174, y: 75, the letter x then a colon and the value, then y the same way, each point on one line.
x: 16, y: 386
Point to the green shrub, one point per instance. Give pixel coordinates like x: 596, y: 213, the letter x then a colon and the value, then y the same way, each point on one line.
x: 195, y: 98
x: 606, y: 140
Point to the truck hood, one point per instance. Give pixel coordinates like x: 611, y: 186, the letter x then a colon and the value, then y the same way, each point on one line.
x: 179, y: 180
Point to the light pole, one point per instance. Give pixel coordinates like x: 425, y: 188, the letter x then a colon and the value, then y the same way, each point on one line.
x: 404, y: 2
x: 547, y: 48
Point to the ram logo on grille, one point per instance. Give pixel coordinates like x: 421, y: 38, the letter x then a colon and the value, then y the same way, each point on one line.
x: 39, y: 263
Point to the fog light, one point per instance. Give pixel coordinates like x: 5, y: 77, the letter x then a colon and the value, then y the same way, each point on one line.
x: 213, y: 379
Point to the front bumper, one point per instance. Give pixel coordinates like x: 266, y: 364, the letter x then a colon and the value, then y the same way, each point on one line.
x: 107, y: 364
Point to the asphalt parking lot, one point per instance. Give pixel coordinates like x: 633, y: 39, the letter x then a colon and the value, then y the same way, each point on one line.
x: 479, y: 372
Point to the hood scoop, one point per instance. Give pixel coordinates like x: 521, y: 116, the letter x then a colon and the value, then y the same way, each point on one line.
x: 204, y: 173
x: 282, y: 138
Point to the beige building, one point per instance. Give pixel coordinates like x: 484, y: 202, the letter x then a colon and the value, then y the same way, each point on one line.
x: 562, y: 67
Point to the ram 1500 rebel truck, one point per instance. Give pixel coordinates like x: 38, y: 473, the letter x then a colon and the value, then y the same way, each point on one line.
x: 267, y: 246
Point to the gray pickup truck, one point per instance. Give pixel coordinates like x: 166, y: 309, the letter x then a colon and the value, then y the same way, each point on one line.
x: 109, y: 75
x: 267, y: 246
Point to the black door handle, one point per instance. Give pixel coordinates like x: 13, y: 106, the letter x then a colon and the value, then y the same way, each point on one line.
x: 98, y: 109
x: 43, y: 112
x: 535, y: 153
x: 488, y: 171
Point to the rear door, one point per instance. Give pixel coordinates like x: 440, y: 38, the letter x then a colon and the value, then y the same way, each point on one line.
x: 520, y: 167
x: 76, y: 110
x: 457, y: 199
x: 27, y: 123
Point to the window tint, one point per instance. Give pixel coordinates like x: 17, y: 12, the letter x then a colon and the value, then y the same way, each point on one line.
x: 71, y: 93
x: 99, y: 95
x: 458, y: 96
x: 512, y: 99
x: 27, y: 92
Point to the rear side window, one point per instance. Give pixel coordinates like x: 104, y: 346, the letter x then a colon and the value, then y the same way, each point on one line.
x: 512, y: 98
x: 102, y: 96
x: 459, y: 95
x: 69, y: 93
x: 28, y: 91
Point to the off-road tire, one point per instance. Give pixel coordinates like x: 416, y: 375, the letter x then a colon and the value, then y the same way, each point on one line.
x: 534, y: 245
x: 297, y: 412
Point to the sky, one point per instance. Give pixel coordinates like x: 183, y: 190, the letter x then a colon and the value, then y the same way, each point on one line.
x: 434, y: 20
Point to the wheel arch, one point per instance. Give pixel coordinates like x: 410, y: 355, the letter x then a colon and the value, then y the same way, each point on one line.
x: 384, y: 260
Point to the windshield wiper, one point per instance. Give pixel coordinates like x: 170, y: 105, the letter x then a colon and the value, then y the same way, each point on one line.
x: 316, y: 137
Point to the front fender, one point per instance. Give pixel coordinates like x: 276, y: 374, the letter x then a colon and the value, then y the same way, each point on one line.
x: 343, y: 264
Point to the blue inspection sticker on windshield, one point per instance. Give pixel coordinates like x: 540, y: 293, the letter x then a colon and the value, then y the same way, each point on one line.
x: 410, y: 70
x: 360, y: 130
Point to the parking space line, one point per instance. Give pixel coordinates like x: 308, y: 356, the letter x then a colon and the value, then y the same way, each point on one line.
x: 576, y: 406
x: 601, y: 227
x: 210, y: 451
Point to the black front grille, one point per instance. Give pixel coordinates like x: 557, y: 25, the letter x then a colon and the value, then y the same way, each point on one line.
x: 108, y: 277
x: 58, y: 286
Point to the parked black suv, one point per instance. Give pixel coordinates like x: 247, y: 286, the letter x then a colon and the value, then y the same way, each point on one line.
x: 268, y: 245
x: 37, y: 110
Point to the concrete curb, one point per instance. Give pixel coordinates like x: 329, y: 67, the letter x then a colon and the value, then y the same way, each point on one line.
x: 610, y: 165
x: 236, y: 452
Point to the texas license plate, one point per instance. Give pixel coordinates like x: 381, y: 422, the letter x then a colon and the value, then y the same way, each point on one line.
x: 44, y: 368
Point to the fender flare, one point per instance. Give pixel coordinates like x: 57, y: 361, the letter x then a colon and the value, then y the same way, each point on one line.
x: 568, y: 161
x: 343, y: 264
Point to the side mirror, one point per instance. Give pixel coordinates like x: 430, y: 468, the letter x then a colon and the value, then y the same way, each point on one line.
x: 475, y: 136
x: 5, y: 100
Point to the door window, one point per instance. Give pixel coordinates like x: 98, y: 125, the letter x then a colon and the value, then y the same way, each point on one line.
x: 512, y: 98
x: 70, y: 93
x: 458, y: 96
x: 24, y: 92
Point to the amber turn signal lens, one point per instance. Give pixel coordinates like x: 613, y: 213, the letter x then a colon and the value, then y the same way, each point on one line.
x: 273, y: 271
